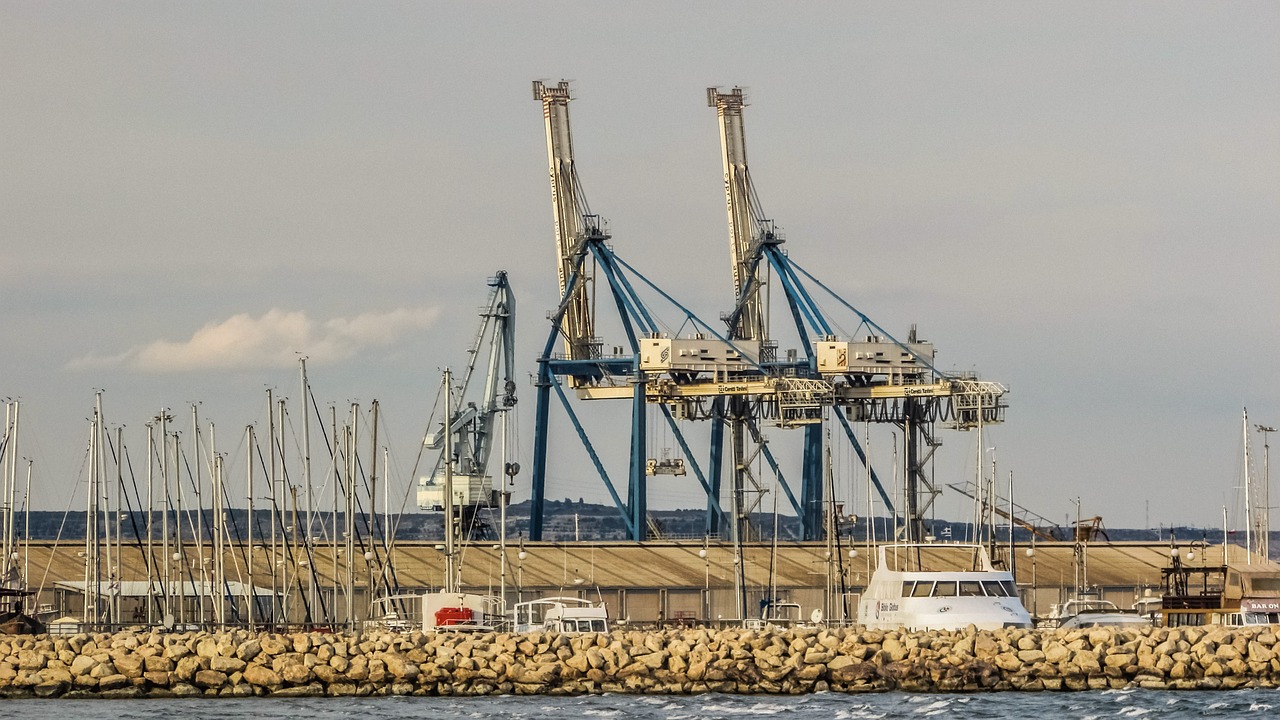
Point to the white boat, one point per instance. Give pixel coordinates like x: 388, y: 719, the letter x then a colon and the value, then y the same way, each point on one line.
x: 441, y: 611
x: 939, y: 586
x: 782, y: 614
x: 565, y: 615
x: 1093, y: 612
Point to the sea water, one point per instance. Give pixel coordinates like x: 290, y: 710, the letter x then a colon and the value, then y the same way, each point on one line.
x: 820, y: 706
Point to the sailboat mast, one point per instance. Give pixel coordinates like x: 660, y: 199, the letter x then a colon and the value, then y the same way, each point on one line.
x: 350, y: 512
x: 26, y: 533
x: 450, y: 579
x: 199, y: 533
x: 251, y: 598
x: 90, y: 519
x: 503, y: 497
x: 373, y: 499
x: 164, y: 516
x: 1248, y: 493
x: 10, y: 450
x: 306, y: 473
x: 117, y: 579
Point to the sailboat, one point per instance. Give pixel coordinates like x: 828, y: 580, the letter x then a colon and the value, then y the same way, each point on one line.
x: 14, y: 592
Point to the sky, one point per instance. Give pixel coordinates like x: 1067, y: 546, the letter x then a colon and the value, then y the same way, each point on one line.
x: 1079, y: 200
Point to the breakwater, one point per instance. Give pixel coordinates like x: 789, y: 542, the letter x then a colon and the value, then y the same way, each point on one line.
x: 237, y: 663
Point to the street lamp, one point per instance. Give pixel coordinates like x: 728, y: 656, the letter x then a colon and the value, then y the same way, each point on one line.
x: 521, y: 555
x: 706, y: 582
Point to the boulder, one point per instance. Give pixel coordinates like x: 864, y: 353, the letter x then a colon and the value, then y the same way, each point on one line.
x: 262, y: 676
x: 210, y: 679
x: 297, y: 674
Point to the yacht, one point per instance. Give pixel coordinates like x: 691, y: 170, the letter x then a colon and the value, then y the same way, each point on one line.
x: 939, y: 586
x: 1089, y: 612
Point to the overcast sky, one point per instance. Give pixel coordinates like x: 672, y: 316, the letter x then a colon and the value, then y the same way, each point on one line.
x: 1080, y: 200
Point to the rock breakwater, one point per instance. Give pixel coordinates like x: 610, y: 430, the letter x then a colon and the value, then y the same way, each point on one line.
x: 237, y: 663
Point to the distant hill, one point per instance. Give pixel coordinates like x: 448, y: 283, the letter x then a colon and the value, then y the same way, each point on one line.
x: 564, y: 520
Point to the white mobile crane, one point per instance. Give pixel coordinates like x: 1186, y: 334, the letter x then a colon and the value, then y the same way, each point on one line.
x: 472, y: 419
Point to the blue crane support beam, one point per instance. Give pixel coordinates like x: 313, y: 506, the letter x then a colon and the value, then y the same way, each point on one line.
x: 627, y: 516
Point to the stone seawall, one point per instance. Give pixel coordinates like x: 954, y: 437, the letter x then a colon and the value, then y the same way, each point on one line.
x: 236, y: 663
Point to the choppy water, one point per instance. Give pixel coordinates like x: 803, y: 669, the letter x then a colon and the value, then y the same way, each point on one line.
x: 822, y: 706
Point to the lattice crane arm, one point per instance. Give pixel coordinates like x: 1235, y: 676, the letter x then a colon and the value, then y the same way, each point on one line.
x: 574, y: 223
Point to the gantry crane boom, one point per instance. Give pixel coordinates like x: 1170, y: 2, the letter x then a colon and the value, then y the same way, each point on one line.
x: 749, y: 230
x: 574, y: 223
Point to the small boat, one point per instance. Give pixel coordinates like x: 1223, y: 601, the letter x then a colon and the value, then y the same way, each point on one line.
x: 441, y: 611
x: 1093, y: 612
x: 564, y: 615
x: 939, y: 586
x: 782, y: 614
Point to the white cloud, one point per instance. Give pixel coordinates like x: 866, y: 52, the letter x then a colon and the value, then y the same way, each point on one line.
x: 273, y: 339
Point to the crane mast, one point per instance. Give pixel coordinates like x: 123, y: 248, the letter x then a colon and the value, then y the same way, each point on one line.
x: 748, y: 228
x: 574, y: 224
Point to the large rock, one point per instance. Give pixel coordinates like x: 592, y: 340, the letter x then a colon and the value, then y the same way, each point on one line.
x: 1260, y: 653
x: 262, y: 676
x: 226, y: 665
x: 249, y: 649
x: 188, y: 666
x: 274, y: 645
x: 297, y: 674
x: 1056, y: 652
x: 159, y: 663
x: 400, y: 667
x: 31, y: 660
x: 113, y: 682
x: 210, y: 679
x: 82, y: 665
x: 129, y: 666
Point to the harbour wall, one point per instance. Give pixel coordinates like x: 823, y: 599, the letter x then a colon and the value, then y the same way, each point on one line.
x: 237, y: 663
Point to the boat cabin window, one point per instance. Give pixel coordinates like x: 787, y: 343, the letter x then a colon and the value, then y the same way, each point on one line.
x: 961, y: 588
x: 994, y: 588
x: 1264, y: 585
x: 922, y: 588
x: 579, y: 626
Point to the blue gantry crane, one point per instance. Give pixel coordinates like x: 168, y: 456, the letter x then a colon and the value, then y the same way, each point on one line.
x: 645, y: 359
x: 735, y: 378
x: 863, y: 377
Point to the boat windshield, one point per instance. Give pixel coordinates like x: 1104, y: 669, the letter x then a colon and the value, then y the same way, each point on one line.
x: 582, y: 626
x: 961, y: 588
x: 999, y: 588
